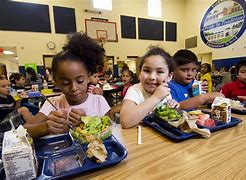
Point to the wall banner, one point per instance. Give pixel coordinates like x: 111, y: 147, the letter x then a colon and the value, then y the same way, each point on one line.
x: 223, y: 23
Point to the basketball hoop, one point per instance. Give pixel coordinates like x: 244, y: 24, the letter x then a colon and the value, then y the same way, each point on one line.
x: 1, y: 50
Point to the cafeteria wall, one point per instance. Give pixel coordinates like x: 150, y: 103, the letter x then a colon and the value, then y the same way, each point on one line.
x: 187, y: 14
x: 194, y: 12
x: 32, y: 45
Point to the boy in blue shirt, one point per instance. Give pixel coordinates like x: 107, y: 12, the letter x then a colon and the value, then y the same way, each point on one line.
x: 186, y: 64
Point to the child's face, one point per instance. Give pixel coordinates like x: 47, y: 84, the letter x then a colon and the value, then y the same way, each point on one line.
x: 242, y: 74
x: 21, y: 81
x: 4, y: 87
x: 72, y: 77
x: 94, y: 79
x: 204, y: 69
x: 126, y: 77
x: 185, y: 74
x: 106, y: 77
x: 154, y: 72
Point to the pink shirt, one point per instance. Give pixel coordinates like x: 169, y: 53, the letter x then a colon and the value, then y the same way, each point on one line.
x: 95, y: 105
x: 125, y: 89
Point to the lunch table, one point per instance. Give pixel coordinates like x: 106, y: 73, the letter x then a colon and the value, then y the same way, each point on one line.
x: 222, y: 156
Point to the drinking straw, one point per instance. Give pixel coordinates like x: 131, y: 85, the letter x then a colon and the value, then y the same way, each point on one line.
x: 49, y: 101
x: 139, y: 135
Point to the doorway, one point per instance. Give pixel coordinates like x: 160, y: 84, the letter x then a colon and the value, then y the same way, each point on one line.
x: 132, y: 62
x: 205, y: 57
x: 47, y: 60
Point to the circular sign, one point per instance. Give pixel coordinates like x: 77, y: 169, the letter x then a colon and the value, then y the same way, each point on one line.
x: 223, y: 23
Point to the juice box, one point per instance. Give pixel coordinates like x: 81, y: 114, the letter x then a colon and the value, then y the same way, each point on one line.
x: 197, y: 88
x: 18, y: 156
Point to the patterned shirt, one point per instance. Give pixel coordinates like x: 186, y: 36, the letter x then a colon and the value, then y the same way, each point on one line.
x: 7, y: 105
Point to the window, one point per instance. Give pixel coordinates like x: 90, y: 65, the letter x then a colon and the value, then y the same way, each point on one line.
x: 154, y: 8
x: 102, y: 4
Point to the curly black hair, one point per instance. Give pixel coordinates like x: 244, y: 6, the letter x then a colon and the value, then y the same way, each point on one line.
x: 184, y: 56
x: 154, y: 51
x: 80, y: 48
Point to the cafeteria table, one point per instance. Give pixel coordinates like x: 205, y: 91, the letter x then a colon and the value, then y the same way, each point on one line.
x: 222, y: 156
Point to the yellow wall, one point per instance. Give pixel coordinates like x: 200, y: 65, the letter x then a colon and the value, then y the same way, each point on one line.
x: 194, y: 12
x: 31, y: 46
x: 187, y: 13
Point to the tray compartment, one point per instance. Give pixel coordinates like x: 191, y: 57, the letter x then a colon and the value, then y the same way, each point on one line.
x: 52, y: 144
x: 116, y: 153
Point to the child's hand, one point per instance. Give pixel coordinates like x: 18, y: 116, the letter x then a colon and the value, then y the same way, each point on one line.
x: 97, y: 90
x: 172, y: 104
x: 75, y: 117
x: 57, y: 122
x: 209, y: 97
x: 162, y: 91
x: 242, y: 98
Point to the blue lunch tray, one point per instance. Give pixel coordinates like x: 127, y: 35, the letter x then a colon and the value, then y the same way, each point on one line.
x: 57, y: 148
x: 238, y: 111
x: 54, y: 149
x: 176, y: 134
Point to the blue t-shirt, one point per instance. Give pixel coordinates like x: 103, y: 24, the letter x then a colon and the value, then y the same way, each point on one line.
x: 180, y: 92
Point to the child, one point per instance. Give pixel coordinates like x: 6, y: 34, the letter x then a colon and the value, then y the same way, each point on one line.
x: 94, y: 86
x: 206, y: 76
x: 71, y: 69
x: 106, y: 78
x: 127, y: 78
x: 9, y: 108
x: 32, y: 77
x: 18, y: 81
x: 237, y: 88
x: 155, y: 72
x: 183, y: 78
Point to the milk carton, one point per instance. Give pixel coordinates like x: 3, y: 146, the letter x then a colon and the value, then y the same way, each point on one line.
x: 18, y: 155
x: 197, y: 88
x: 221, y: 109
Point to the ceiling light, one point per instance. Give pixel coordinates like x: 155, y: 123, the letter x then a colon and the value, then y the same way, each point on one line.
x: 8, y: 52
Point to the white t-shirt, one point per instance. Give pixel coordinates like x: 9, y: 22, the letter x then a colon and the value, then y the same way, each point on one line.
x: 138, y: 94
x: 94, y: 105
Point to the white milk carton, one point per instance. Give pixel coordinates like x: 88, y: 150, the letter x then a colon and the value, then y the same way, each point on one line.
x: 221, y: 109
x: 197, y: 88
x: 18, y: 155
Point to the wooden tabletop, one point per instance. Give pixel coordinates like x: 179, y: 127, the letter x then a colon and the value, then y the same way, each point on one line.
x: 222, y: 156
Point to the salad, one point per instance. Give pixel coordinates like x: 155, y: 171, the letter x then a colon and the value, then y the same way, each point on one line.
x: 166, y: 113
x: 92, y: 128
